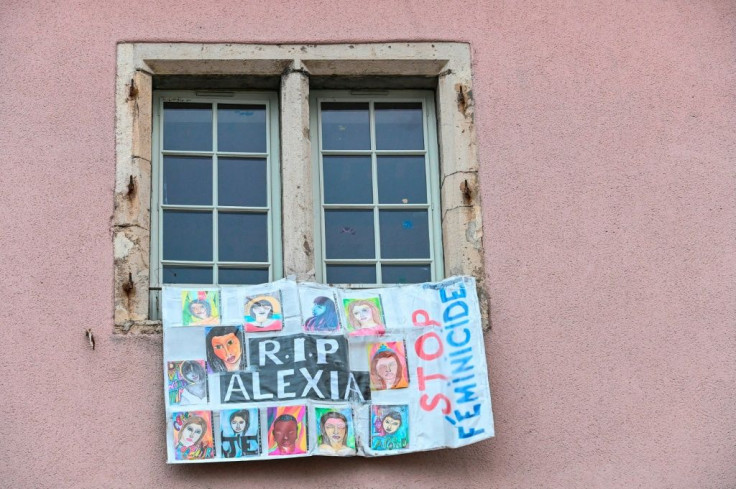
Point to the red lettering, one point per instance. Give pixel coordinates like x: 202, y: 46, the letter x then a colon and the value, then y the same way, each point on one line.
x: 422, y: 378
x: 433, y: 403
x: 419, y: 346
x: 426, y: 321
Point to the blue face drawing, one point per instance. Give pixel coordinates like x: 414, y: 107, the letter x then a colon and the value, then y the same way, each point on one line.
x: 318, y: 309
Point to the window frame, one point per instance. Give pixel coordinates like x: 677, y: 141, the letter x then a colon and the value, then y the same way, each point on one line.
x: 433, y: 205
x: 273, y: 186
x: 446, y: 66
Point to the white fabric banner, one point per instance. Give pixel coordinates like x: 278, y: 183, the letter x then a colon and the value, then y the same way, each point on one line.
x: 284, y: 370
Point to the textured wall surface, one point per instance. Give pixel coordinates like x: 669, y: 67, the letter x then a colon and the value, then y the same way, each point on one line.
x: 607, y: 138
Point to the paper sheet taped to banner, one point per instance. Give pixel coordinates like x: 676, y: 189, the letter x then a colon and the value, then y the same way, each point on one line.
x: 284, y: 370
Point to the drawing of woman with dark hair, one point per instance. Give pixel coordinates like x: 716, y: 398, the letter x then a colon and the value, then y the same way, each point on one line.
x: 365, y: 318
x: 324, y: 316
x: 263, y: 313
x: 386, y: 370
x: 225, y: 349
x: 239, y: 445
x: 190, y: 444
x: 195, y: 386
x: 388, y: 431
x: 334, y: 432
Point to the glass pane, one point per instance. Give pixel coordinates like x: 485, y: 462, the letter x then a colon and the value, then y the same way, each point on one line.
x: 351, y: 274
x: 187, y: 235
x: 348, y: 180
x: 243, y: 237
x: 405, y: 274
x: 241, y: 128
x: 187, y: 180
x: 402, y: 180
x: 345, y: 126
x: 349, y: 234
x: 187, y: 127
x: 242, y: 182
x: 404, y: 234
x: 399, y: 126
x: 187, y: 275
x: 237, y: 276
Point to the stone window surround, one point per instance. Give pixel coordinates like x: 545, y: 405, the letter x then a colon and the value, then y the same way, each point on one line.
x: 137, y: 63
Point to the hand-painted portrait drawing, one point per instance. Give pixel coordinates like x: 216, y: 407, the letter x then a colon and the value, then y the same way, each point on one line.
x: 336, y: 434
x: 193, y: 438
x: 224, y: 345
x: 388, y: 365
x: 324, y: 318
x: 200, y: 307
x: 389, y: 427
x: 365, y: 316
x: 287, y: 430
x: 240, y: 433
x: 263, y: 313
x: 187, y: 382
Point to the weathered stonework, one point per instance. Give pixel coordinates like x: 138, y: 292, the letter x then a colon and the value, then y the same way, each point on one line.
x: 449, y: 62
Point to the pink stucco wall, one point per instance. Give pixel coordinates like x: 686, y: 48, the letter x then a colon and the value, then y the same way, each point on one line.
x: 607, y: 134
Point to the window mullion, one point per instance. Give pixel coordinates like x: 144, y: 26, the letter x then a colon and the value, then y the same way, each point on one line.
x: 374, y: 186
x: 215, y: 199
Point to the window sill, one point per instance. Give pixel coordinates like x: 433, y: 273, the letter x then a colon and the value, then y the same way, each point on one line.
x: 140, y: 327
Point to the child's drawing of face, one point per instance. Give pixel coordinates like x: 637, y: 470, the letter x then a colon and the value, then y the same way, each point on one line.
x: 284, y: 434
x: 198, y: 310
x: 318, y: 309
x: 191, y: 434
x: 261, y: 310
x: 335, y: 429
x: 391, y: 425
x: 363, y: 314
x: 238, y: 424
x: 386, y: 369
x: 227, y: 348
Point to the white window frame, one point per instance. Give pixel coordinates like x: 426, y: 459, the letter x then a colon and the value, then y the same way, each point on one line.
x: 273, y: 184
x: 448, y: 64
x: 426, y: 98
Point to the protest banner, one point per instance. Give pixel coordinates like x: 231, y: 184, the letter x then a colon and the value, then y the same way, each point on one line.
x: 284, y: 370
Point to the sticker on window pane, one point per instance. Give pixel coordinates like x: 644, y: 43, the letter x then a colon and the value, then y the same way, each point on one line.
x: 349, y: 234
x: 402, y: 180
x: 243, y: 237
x: 242, y: 182
x: 351, y: 274
x: 405, y: 274
x: 187, y: 127
x: 399, y: 126
x: 187, y: 275
x: 187, y: 180
x: 187, y: 235
x: 404, y: 234
x: 241, y: 128
x: 345, y: 126
x: 347, y: 179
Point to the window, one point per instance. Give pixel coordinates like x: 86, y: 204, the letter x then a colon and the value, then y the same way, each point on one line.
x: 378, y: 196
x: 437, y: 212
x: 215, y: 202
